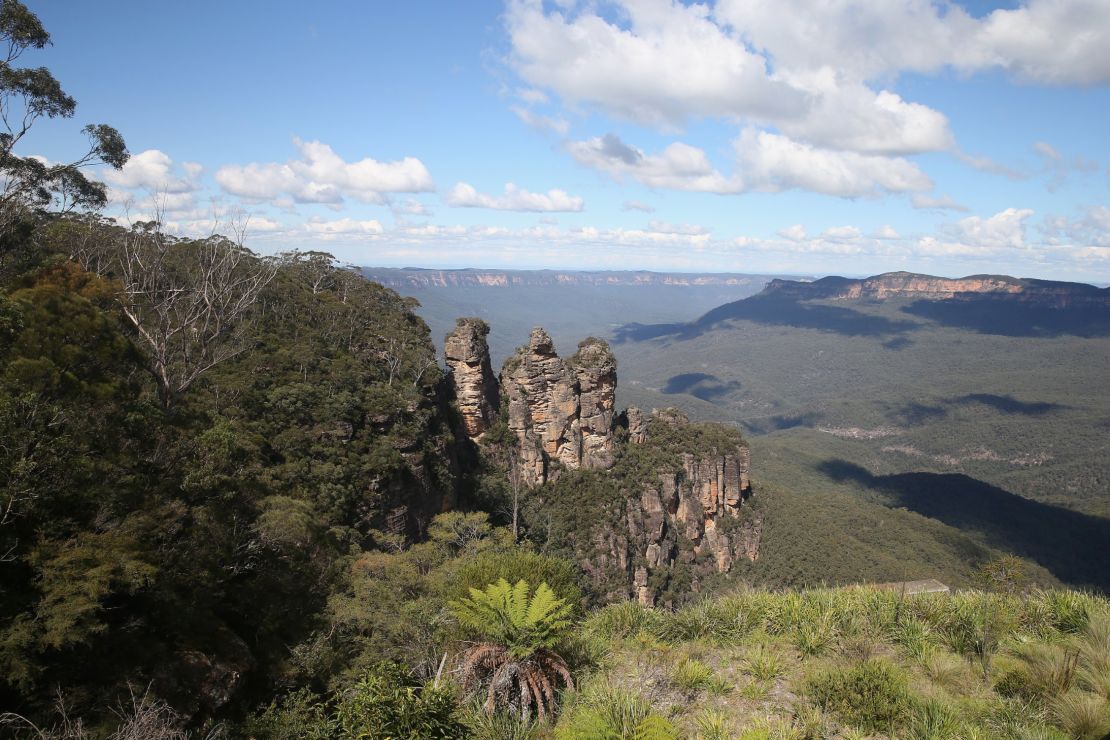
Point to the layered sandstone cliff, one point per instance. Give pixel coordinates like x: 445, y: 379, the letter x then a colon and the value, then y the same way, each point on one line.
x: 561, y: 411
x: 476, y: 391
x: 675, y: 509
x: 927, y: 287
x: 696, y: 511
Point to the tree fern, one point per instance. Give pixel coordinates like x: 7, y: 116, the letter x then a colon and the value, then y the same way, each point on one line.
x: 515, y: 661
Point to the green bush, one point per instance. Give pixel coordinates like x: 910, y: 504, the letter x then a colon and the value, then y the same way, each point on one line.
x: 611, y: 713
x: 387, y: 703
x: 872, y: 696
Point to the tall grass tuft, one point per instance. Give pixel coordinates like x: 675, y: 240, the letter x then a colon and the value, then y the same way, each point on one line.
x: 691, y: 676
x: 935, y: 721
x: 714, y: 724
x: 1082, y: 715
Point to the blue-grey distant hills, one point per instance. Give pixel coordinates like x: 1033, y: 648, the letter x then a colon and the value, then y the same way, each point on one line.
x: 988, y: 304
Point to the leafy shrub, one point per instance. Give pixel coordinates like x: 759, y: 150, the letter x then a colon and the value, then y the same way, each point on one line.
x: 386, y: 703
x: 298, y: 715
x: 872, y: 695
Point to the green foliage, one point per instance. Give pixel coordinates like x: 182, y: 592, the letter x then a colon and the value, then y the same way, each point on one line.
x: 386, y: 703
x: 511, y: 616
x: 491, y: 566
x: 873, y: 696
x: 691, y: 676
x: 297, y: 716
x: 934, y: 720
x: 610, y: 713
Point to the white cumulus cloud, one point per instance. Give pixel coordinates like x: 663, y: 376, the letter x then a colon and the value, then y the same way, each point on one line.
x: 465, y: 195
x: 152, y: 170
x: 1003, y: 229
x: 319, y: 175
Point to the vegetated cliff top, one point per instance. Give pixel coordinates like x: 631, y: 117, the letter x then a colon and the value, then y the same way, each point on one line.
x: 914, y: 285
x: 413, y: 277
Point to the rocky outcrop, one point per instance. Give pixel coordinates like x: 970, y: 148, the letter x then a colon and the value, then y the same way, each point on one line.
x: 596, y: 371
x: 676, y: 514
x: 695, y: 514
x: 560, y: 411
x: 472, y: 379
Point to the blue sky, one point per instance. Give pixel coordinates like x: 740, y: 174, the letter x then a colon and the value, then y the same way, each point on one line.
x: 798, y: 136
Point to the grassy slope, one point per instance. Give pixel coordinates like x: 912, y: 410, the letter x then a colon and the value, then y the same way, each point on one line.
x: 759, y: 665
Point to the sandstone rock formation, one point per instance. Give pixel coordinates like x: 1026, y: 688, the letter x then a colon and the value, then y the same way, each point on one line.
x: 688, y: 515
x: 596, y: 369
x: 700, y: 504
x: 561, y: 411
x: 472, y: 377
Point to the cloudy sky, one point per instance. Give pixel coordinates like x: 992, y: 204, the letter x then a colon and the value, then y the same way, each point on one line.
x: 798, y: 136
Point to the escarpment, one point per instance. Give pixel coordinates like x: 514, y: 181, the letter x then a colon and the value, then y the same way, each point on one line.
x: 928, y: 287
x: 650, y: 512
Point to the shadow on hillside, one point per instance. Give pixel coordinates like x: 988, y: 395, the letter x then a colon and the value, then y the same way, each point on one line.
x: 1009, y: 404
x: 777, y: 311
x: 1013, y: 318
x: 912, y: 414
x: 1071, y: 545
x: 783, y: 421
x: 700, y: 385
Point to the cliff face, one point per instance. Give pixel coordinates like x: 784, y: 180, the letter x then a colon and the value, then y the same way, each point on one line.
x: 561, y: 411
x: 673, y: 508
x: 471, y: 376
x: 928, y: 287
x: 417, y: 278
x: 693, y: 516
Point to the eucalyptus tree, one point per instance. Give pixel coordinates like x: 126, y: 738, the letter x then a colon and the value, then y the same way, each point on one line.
x: 28, y: 183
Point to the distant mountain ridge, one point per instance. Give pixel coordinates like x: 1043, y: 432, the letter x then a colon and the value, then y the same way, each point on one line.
x: 414, y: 277
x: 929, y: 287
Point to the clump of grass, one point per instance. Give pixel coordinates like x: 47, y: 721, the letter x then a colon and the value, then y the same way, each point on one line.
x: 1045, y: 672
x: 764, y: 665
x: 873, y: 696
x: 914, y: 637
x: 691, y: 675
x: 1081, y: 714
x: 498, y: 725
x: 1094, y: 652
x: 755, y: 690
x: 934, y: 720
x: 621, y: 621
x: 815, y: 635
x: 943, y: 668
x: 714, y: 724
x: 1069, y: 611
x: 607, y: 711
